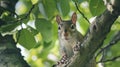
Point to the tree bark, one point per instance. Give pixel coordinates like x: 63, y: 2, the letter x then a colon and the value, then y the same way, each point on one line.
x: 9, y: 54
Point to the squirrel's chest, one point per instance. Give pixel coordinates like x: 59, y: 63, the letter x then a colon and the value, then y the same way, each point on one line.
x: 68, y: 43
x: 67, y: 46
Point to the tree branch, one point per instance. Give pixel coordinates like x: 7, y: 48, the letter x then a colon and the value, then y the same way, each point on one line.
x: 114, y: 40
x: 94, y: 39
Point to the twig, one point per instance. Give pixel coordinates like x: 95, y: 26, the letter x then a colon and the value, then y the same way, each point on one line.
x: 112, y: 59
x: 81, y: 13
x: 20, y: 19
x: 103, y: 56
x: 115, y: 39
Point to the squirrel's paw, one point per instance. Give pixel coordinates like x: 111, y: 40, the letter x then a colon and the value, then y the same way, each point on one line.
x: 63, y: 62
x: 64, y: 59
x: 76, y: 47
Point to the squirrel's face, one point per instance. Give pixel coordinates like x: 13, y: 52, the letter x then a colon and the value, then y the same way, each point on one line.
x: 66, y: 30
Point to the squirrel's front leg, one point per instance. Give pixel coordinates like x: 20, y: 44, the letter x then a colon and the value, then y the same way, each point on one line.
x: 64, y: 59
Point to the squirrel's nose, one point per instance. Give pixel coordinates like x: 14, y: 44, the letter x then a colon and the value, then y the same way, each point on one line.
x: 65, y: 30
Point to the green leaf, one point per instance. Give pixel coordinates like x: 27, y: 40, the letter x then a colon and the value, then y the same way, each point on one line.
x: 47, y: 8
x: 8, y: 27
x: 96, y: 7
x: 45, y: 28
x: 23, y: 6
x: 63, y: 7
x: 26, y: 39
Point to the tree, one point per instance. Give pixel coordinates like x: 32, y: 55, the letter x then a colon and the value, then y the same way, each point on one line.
x: 31, y: 24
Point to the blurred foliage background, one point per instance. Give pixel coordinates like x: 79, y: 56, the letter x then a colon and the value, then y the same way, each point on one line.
x: 33, y: 26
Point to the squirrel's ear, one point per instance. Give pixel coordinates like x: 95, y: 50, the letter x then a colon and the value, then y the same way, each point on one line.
x: 74, y: 18
x: 58, y: 19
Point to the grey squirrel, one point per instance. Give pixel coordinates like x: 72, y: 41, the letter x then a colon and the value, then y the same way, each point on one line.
x: 68, y: 35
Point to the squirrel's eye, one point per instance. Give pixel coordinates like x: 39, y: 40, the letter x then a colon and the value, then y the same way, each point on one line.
x: 72, y: 26
x: 59, y: 28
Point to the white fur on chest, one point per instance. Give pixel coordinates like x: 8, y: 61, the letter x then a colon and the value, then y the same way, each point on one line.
x: 68, y: 43
x: 67, y: 46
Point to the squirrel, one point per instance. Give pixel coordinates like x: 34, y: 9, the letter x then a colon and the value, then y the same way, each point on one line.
x: 68, y: 35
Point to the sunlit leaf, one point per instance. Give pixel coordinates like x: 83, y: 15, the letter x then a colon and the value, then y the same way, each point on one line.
x: 26, y: 39
x: 23, y: 6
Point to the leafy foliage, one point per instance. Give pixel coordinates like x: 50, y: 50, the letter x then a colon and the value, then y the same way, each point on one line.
x: 39, y: 32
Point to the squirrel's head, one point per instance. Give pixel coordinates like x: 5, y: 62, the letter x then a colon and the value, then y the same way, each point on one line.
x: 67, y: 28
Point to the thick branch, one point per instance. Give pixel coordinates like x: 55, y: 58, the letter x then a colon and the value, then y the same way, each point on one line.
x: 94, y: 39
